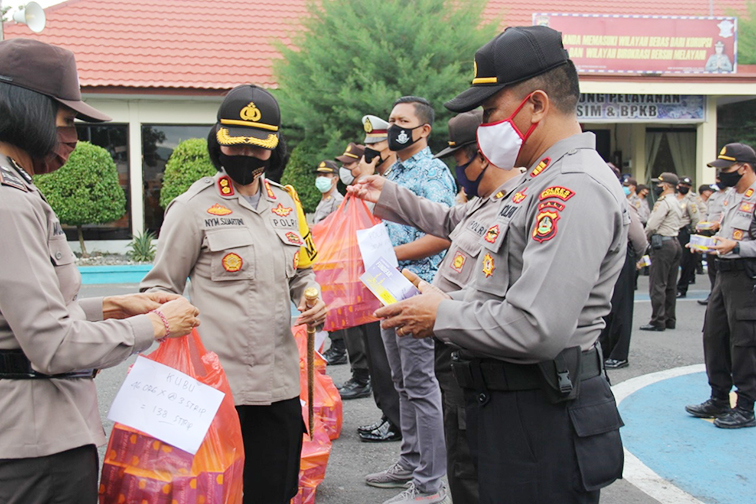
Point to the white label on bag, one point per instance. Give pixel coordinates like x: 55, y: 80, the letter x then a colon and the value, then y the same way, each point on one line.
x: 166, y: 404
x: 375, y: 244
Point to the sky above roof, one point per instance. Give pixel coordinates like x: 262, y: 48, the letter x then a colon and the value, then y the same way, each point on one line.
x: 202, y: 45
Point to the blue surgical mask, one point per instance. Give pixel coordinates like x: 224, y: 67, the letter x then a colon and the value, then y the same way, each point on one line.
x: 323, y: 184
x: 626, y: 190
x: 470, y: 186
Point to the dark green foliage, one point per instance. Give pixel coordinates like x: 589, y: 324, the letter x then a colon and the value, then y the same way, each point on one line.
x: 188, y: 163
x: 746, y: 33
x: 736, y: 122
x: 142, y: 248
x: 356, y: 57
x: 85, y: 190
x: 300, y: 173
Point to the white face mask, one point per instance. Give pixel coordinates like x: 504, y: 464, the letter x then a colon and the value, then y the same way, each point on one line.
x: 345, y: 174
x: 500, y: 142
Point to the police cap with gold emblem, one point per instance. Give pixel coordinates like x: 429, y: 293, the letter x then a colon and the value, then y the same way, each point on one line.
x: 515, y: 55
x: 667, y: 177
x: 352, y: 153
x: 249, y: 115
x: 463, y: 130
x: 734, y: 153
x: 376, y: 129
x: 327, y: 166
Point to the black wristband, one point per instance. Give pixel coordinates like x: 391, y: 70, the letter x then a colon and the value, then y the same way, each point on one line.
x: 736, y: 249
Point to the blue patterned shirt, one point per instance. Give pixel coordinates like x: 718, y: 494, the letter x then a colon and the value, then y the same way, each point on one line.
x: 429, y: 178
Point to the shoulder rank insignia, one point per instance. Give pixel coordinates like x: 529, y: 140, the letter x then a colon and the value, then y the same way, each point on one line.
x: 488, y: 265
x: 232, y: 262
x: 492, y: 234
x: 747, y: 207
x: 546, y: 223
x: 10, y: 179
x: 282, y: 211
x: 749, y: 193
x: 225, y: 186
x: 737, y: 234
x: 270, y: 192
x: 556, y: 192
x: 541, y: 166
x: 458, y: 262
x: 219, y: 209
x: 293, y: 238
x: 519, y: 196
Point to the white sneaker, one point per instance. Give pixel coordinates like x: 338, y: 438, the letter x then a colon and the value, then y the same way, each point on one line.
x: 395, y: 476
x: 412, y: 494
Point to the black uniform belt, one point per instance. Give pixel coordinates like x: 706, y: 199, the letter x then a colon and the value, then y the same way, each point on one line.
x: 500, y: 375
x: 15, y: 366
x: 733, y: 264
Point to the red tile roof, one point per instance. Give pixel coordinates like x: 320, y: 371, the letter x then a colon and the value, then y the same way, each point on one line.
x: 184, y: 45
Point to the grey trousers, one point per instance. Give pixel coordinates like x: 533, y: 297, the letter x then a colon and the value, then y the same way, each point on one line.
x: 421, y: 414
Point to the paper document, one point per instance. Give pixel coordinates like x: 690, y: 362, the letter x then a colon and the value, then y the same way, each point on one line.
x: 387, y: 283
x: 166, y: 404
x: 375, y: 244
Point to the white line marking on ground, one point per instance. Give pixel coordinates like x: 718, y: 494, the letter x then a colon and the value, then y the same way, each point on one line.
x: 636, y: 472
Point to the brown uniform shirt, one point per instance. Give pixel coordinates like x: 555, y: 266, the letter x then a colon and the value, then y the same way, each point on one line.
x: 243, y: 266
x: 40, y: 314
x: 666, y: 217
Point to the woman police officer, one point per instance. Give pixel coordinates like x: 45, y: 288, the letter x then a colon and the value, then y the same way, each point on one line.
x: 50, y: 342
x: 242, y: 241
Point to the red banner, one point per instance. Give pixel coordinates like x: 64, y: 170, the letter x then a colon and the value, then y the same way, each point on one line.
x: 647, y: 44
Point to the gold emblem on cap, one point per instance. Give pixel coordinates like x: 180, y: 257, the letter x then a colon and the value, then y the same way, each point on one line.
x: 724, y: 149
x: 368, y: 126
x: 348, y: 149
x: 475, y: 69
x: 482, y: 80
x: 322, y: 164
x: 250, y: 112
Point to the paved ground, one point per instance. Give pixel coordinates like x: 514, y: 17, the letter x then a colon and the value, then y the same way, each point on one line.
x: 664, y: 437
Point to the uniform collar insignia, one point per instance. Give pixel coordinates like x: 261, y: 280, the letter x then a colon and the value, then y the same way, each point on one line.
x: 268, y: 190
x: 749, y: 193
x: 541, y: 167
x: 519, y: 196
x: 225, y: 186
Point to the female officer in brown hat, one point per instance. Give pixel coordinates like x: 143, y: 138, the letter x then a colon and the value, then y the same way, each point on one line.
x: 243, y: 242
x: 50, y: 342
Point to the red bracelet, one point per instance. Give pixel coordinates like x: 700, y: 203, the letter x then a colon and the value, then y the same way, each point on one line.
x: 165, y: 323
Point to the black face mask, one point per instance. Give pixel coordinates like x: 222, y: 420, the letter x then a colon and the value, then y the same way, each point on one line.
x: 728, y: 179
x: 683, y: 190
x: 371, y: 154
x: 400, y: 138
x: 658, y: 190
x: 243, y: 169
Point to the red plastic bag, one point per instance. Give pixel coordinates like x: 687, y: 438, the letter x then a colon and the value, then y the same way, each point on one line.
x: 339, y: 265
x: 140, y: 468
x: 300, y: 336
x: 312, y: 465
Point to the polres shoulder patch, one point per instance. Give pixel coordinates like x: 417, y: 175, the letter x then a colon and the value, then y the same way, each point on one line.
x: 556, y: 192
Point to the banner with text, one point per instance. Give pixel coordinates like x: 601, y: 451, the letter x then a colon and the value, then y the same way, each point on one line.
x: 647, y: 44
x: 620, y: 108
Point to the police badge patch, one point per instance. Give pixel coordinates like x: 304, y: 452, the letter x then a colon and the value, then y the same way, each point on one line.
x: 459, y: 262
x: 488, y: 265
x: 232, y: 262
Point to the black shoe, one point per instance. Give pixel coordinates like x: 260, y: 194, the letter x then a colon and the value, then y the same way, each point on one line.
x: 652, y: 327
x: 354, y: 389
x: 615, y: 364
x: 703, y: 302
x: 711, y: 408
x: 334, y: 357
x: 681, y: 295
x: 735, y: 419
x: 364, y: 429
x: 386, y: 432
x: 669, y: 325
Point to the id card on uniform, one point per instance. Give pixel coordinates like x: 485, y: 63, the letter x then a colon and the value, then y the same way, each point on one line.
x: 387, y: 283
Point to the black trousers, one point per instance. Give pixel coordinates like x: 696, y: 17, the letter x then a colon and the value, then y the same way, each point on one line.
x: 460, y: 468
x: 530, y: 451
x: 615, y: 338
x: 272, y: 449
x: 662, y: 282
x: 384, y: 393
x: 711, y: 269
x: 61, y: 478
x: 687, y: 262
x: 730, y: 337
x: 355, y: 350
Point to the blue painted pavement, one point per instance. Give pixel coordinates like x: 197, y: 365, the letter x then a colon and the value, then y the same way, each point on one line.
x: 716, y: 466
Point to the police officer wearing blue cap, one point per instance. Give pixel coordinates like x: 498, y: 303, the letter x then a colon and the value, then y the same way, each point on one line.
x: 542, y: 421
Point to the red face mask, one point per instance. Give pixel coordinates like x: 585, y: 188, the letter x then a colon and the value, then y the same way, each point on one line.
x: 67, y: 139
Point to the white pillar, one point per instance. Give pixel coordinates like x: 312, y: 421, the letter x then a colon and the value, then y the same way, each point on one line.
x: 706, y: 142
x: 639, y: 152
x: 135, y: 169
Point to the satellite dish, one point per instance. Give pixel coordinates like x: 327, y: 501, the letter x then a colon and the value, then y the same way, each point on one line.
x: 32, y: 16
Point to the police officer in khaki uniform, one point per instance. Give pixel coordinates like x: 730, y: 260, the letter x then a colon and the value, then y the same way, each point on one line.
x: 243, y: 242
x: 691, y: 215
x: 713, y: 216
x: 464, y: 225
x: 51, y: 341
x: 661, y: 229
x: 326, y: 177
x: 529, y: 320
x: 730, y: 324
